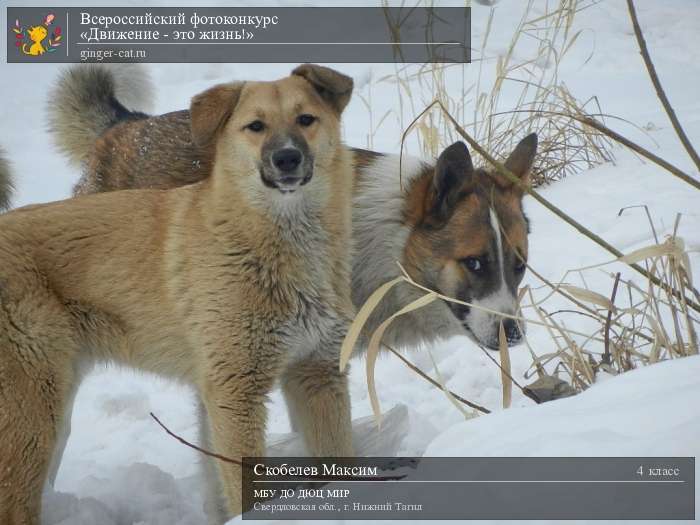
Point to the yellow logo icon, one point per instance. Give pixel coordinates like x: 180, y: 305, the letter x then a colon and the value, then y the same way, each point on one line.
x: 33, y: 40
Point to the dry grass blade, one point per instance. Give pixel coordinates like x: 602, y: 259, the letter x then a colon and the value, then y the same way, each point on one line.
x: 588, y: 295
x: 374, y: 345
x: 659, y: 88
x: 606, y: 359
x: 648, y: 252
x: 430, y: 380
x: 505, y: 367
x: 361, y: 319
x: 447, y: 392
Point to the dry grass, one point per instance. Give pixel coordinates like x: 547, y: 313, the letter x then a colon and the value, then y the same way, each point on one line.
x: 638, y: 324
x: 633, y: 324
x: 523, y: 96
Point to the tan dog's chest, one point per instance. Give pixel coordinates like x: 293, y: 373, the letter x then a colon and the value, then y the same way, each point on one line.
x: 285, y: 301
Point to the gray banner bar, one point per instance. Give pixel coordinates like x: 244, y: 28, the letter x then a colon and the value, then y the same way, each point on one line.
x: 470, y: 488
x: 238, y: 34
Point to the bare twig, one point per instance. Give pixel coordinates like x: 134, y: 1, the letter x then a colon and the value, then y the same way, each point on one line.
x: 659, y: 88
x: 200, y: 449
x: 606, y: 354
x: 435, y: 383
x: 531, y: 395
x: 250, y: 466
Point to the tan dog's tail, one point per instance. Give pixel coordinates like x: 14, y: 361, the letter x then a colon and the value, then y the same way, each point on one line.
x: 5, y: 182
x: 92, y: 98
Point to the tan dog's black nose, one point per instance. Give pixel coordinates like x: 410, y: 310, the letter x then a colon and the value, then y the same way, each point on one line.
x: 287, y: 159
x: 286, y: 168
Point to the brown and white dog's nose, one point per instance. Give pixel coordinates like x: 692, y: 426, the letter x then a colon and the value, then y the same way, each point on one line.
x: 512, y: 330
x: 287, y: 159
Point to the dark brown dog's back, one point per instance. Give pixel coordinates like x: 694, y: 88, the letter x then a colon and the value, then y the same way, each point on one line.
x: 146, y: 153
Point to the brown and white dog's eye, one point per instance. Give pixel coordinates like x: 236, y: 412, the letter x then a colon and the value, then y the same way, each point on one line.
x: 474, y: 264
x: 520, y: 267
x: 256, y: 126
x: 306, y: 120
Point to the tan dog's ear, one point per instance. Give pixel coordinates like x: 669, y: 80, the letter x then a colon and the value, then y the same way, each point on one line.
x: 520, y: 161
x: 210, y: 110
x: 335, y: 88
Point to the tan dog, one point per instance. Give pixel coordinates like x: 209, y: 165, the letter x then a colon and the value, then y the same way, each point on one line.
x: 230, y: 284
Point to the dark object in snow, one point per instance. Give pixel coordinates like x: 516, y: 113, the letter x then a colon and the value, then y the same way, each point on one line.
x: 548, y: 388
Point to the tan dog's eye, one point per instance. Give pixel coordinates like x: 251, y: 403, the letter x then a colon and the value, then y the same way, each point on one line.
x: 306, y: 120
x: 256, y: 126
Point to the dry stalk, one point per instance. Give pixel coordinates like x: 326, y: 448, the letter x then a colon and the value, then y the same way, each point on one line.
x: 214, y: 455
x: 659, y: 88
x: 430, y: 380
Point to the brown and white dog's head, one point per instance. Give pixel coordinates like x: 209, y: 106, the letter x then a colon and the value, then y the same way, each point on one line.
x: 469, y: 238
x: 274, y: 136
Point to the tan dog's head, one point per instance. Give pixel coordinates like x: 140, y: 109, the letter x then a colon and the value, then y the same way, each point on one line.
x: 272, y: 135
x: 469, y: 239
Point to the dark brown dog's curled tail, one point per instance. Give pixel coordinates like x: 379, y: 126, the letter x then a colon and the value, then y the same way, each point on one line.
x: 5, y: 182
x: 89, y: 99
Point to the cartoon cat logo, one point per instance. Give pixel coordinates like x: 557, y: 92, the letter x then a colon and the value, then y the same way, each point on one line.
x: 36, y: 35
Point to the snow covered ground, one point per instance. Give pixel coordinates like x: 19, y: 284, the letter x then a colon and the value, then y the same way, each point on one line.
x: 120, y: 468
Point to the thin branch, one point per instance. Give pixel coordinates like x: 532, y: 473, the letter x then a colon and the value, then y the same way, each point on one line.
x: 659, y: 88
x: 435, y: 383
x: 250, y: 466
x: 531, y: 395
x: 200, y: 449
x: 606, y: 354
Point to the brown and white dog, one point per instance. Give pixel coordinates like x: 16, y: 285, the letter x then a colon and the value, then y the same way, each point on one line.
x: 232, y: 284
x: 456, y: 229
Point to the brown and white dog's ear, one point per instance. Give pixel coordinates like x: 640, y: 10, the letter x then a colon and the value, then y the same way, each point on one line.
x: 520, y: 161
x: 210, y: 110
x: 453, y: 177
x: 333, y: 87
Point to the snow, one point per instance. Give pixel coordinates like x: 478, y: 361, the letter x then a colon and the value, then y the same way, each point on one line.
x: 640, y: 413
x: 120, y: 468
x: 644, y: 413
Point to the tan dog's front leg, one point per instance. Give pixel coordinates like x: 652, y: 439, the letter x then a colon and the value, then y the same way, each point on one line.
x: 237, y: 416
x: 319, y: 406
